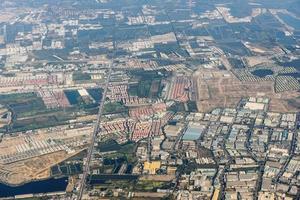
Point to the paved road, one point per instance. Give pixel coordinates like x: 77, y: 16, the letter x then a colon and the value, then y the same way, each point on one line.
x: 179, y: 137
x: 93, y: 139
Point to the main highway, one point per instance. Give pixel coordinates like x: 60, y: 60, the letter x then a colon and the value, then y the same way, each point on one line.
x: 94, y: 136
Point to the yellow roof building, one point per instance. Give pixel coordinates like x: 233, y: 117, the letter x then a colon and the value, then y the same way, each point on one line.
x: 216, y: 194
x: 171, y: 170
x: 151, y: 167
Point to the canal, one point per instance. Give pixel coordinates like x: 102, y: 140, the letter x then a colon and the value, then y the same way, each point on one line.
x: 44, y: 186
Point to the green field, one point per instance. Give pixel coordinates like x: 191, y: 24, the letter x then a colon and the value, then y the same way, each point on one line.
x: 149, y: 84
x: 79, y: 76
x: 125, y: 150
x: 114, y: 108
x: 29, y: 112
x: 23, y: 104
x: 148, y: 186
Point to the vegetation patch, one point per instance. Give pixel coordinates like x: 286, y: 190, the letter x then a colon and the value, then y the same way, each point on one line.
x: 114, y: 107
x: 80, y: 76
x: 148, y: 186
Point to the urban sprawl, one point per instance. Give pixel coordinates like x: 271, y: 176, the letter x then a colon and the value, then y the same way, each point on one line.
x: 175, y: 99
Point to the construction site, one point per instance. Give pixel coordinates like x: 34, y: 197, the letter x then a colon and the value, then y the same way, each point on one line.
x: 28, y: 157
x: 222, y: 89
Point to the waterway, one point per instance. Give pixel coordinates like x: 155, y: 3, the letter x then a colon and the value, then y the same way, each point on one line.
x: 45, y: 186
x: 294, y: 63
x: 290, y: 20
x: 295, y: 75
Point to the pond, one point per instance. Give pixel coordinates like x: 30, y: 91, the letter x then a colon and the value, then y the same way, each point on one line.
x: 262, y: 73
x: 96, y: 94
x: 73, y: 96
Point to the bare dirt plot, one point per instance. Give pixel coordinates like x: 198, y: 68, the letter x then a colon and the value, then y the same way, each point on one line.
x: 37, y: 166
x: 163, y: 178
x: 222, y: 89
x: 9, y: 14
x: 256, y: 60
x: 6, y: 16
x: 33, y: 169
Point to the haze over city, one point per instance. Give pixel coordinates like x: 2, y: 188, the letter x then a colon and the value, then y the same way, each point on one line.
x: 150, y: 99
